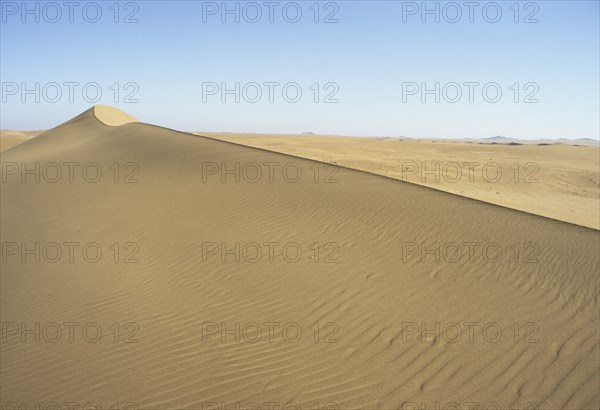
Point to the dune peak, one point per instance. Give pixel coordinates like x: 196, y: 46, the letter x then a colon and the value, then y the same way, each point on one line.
x: 112, y: 116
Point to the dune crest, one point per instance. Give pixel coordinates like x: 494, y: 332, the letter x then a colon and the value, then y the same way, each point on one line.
x: 112, y: 116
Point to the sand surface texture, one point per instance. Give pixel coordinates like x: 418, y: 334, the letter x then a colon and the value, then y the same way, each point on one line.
x: 194, y: 273
x: 558, y: 180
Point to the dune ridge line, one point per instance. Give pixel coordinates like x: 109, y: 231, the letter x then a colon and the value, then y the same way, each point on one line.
x: 112, y: 116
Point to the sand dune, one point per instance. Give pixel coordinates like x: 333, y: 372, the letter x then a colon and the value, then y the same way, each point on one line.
x: 558, y: 181
x: 104, y: 113
x: 303, y: 284
x: 112, y: 116
x: 12, y: 138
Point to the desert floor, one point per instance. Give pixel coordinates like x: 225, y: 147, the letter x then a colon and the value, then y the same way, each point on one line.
x: 146, y: 266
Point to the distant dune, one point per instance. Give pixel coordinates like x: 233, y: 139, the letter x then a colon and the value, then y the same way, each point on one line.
x: 584, y: 142
x: 12, y: 138
x: 206, y: 273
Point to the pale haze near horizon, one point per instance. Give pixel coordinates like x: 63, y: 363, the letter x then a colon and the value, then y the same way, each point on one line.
x: 366, y: 58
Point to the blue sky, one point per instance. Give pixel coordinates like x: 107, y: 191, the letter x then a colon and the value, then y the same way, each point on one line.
x: 373, y: 66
